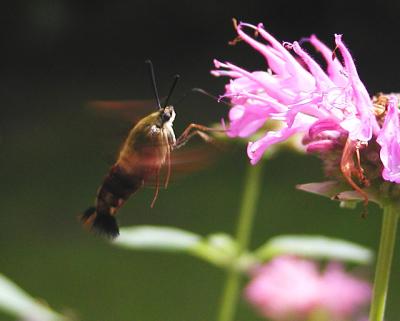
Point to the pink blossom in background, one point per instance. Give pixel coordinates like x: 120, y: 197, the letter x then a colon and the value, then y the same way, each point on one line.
x: 320, y: 105
x: 289, y: 288
x: 285, y: 287
x: 342, y: 294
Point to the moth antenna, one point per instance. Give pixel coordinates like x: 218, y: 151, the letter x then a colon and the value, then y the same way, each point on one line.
x: 176, y: 78
x: 153, y: 82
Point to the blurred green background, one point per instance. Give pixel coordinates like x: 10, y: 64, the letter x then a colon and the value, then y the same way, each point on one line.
x: 58, y: 55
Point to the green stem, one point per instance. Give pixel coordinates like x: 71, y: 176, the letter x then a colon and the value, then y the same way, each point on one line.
x: 384, y: 262
x: 244, y: 226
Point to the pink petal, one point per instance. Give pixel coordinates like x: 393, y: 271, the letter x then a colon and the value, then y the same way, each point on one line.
x: 335, y: 68
x: 321, y: 146
x: 307, y: 107
x: 389, y: 139
x: 322, y: 125
x: 264, y: 81
x: 322, y: 80
x: 245, y: 121
x: 362, y: 100
x: 275, y: 62
x: 255, y: 150
x: 292, y: 65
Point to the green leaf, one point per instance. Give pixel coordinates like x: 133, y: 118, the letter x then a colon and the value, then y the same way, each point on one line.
x: 328, y: 188
x: 319, y: 247
x: 16, y: 302
x: 354, y: 196
x: 222, y: 242
x: 157, y: 238
x: 339, y: 191
x: 218, y: 249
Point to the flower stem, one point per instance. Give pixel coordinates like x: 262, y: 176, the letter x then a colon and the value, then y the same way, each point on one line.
x: 244, y: 226
x: 384, y: 262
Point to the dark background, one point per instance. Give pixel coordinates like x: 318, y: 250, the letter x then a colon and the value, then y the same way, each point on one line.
x: 57, y: 55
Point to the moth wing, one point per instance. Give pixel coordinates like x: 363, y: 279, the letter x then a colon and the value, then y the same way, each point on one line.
x: 130, y: 110
x: 184, y: 162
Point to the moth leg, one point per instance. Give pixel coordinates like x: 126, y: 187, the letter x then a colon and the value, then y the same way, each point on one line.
x: 168, y: 166
x: 157, y: 188
x: 195, y: 129
x: 183, y: 140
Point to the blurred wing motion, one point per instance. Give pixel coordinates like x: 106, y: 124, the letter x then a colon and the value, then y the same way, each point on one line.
x: 132, y: 110
x: 184, y: 162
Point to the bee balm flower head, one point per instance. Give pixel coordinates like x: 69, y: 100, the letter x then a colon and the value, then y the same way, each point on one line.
x: 330, y: 108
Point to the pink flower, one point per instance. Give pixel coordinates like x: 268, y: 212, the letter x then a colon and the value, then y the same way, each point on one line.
x: 289, y: 288
x: 327, y: 108
x: 285, y: 287
x: 342, y: 294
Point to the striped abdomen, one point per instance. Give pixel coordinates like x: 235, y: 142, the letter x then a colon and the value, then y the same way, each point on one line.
x: 112, y: 194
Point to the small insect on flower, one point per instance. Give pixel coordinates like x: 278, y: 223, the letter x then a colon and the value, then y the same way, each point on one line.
x: 145, y: 151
